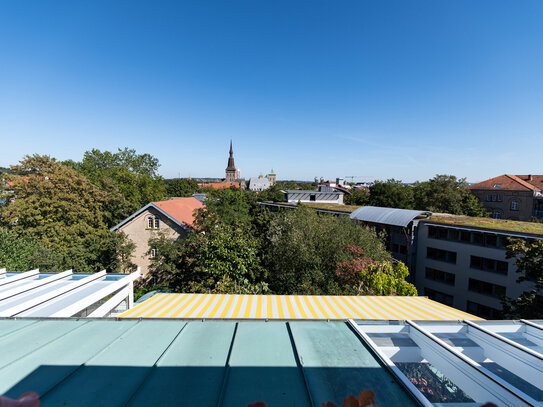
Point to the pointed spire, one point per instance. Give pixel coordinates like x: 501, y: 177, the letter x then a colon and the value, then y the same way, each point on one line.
x: 231, y: 151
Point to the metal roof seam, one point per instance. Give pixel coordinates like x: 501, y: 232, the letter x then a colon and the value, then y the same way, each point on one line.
x: 154, y: 367
x: 299, y: 363
x: 226, y: 374
x: 43, y: 344
x: 43, y: 394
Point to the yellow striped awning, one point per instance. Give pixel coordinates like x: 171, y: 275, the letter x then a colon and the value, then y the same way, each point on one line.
x: 232, y: 306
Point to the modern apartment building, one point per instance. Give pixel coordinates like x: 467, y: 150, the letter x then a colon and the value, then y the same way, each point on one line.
x: 460, y: 261
x: 516, y: 197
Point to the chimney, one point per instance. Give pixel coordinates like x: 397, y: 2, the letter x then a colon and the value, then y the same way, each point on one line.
x: 530, y: 178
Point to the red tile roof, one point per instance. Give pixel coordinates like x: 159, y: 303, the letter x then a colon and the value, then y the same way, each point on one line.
x: 509, y: 182
x: 535, y: 180
x: 181, y: 209
x: 219, y: 185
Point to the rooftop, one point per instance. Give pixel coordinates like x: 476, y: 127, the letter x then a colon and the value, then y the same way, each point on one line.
x: 268, y: 307
x: 181, y: 209
x: 90, y: 362
x: 489, y: 223
x: 508, y: 182
x: 324, y: 206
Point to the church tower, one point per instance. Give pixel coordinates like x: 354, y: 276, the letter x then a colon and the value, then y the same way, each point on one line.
x: 232, y: 173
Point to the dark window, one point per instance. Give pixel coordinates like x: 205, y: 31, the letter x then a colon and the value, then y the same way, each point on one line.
x: 441, y: 276
x: 500, y: 198
x: 454, y: 234
x: 491, y: 240
x: 150, y: 222
x: 157, y: 223
x: 465, y: 236
x: 439, y: 296
x: 477, y: 238
x: 441, y: 255
x: 312, y: 197
x: 483, y: 311
x: 485, y: 288
x: 494, y: 266
x: 514, y: 205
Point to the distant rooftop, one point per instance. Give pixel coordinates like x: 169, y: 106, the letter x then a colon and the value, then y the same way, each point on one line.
x: 489, y: 223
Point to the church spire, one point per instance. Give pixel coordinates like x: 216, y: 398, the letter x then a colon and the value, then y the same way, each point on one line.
x: 232, y: 173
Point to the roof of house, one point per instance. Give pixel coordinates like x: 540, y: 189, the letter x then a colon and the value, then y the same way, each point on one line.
x: 131, y: 362
x: 508, y: 182
x: 219, y: 185
x: 226, y: 306
x: 387, y: 216
x: 181, y: 211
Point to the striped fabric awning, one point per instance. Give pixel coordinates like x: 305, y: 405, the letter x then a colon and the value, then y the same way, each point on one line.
x: 230, y: 306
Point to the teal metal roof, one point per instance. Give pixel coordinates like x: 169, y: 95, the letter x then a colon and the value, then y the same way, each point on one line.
x: 93, y: 362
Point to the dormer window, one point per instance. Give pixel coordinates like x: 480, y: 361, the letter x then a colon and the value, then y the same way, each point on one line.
x: 497, y: 185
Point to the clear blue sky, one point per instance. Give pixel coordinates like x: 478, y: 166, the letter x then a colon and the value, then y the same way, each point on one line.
x: 378, y: 89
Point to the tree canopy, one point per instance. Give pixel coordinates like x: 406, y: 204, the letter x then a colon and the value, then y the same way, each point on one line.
x: 62, y: 210
x: 529, y: 262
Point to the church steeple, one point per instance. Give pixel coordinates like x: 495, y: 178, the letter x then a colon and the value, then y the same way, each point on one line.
x: 232, y: 172
x: 231, y: 165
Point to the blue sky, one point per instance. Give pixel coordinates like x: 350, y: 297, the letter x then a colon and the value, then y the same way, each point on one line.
x: 377, y: 89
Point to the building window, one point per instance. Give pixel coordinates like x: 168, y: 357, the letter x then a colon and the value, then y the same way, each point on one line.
x: 514, y: 205
x: 497, y: 185
x: 441, y: 276
x: 439, y: 296
x: 312, y: 197
x: 485, y: 288
x: 496, y: 214
x: 153, y: 253
x: 153, y: 222
x: 483, y: 311
x: 494, y: 266
x: 441, y: 255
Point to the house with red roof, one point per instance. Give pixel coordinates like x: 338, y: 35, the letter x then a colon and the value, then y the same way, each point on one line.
x: 174, y: 218
x: 515, y: 197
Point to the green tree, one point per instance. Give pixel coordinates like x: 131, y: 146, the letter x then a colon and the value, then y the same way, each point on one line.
x: 447, y: 194
x: 391, y: 194
x: 131, y: 179
x: 301, y: 250
x: 221, y: 260
x: 529, y: 261
x: 357, y: 197
x: 181, y: 187
x: 22, y: 253
x: 228, y: 206
x: 272, y: 194
x: 364, y: 276
x: 62, y: 210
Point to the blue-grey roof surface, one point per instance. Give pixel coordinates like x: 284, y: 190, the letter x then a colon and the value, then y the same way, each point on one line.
x: 387, y: 216
x: 99, y: 362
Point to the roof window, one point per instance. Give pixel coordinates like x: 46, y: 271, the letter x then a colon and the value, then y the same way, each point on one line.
x: 497, y: 185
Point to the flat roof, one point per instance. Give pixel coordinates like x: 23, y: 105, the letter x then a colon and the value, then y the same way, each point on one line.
x: 94, y: 362
x: 489, y: 223
x: 293, y: 307
x: 328, y: 206
x: 142, y: 362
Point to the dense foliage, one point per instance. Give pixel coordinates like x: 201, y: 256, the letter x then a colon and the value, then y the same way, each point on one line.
x: 529, y: 262
x: 58, y: 208
x: 181, y: 187
x: 443, y: 194
x: 130, y: 180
